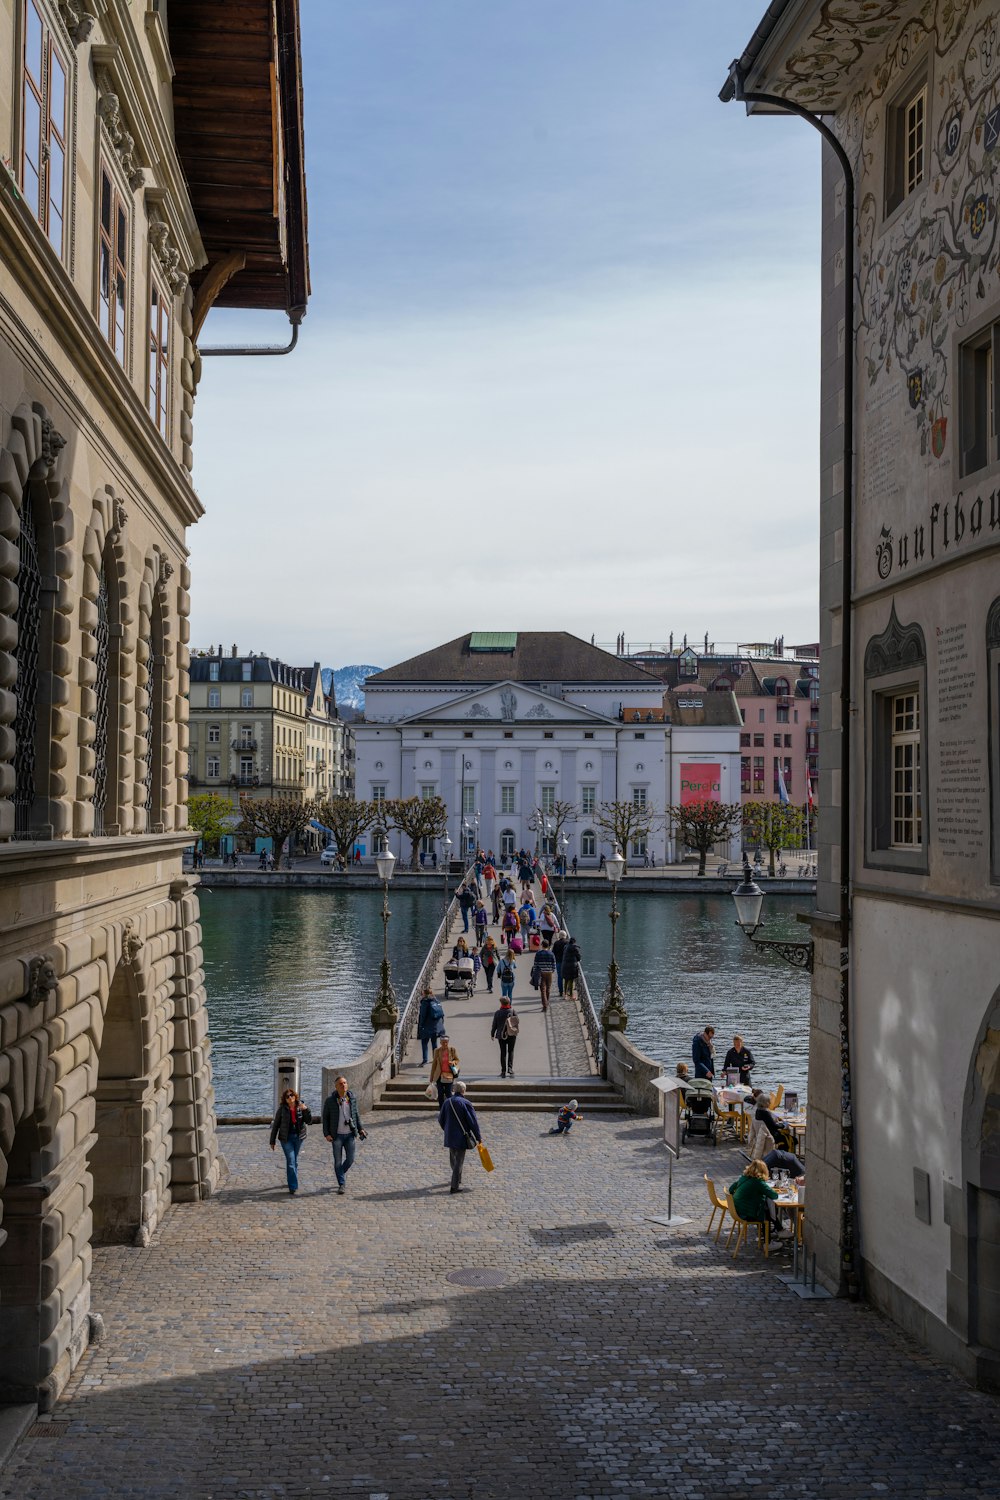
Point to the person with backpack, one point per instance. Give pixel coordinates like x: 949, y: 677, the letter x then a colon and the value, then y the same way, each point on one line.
x: 509, y: 925
x: 506, y: 969
x: 505, y: 1028
x: 430, y: 1022
x: 489, y: 957
x: 543, y: 971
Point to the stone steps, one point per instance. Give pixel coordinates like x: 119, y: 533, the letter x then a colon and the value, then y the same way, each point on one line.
x: 539, y: 1095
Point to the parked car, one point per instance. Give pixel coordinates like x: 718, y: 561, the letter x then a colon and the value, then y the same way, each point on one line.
x: 329, y: 855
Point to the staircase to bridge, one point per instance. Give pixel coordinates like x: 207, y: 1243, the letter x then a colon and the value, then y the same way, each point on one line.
x: 553, y: 1056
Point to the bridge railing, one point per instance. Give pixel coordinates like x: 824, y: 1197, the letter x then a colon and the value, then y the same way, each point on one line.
x: 588, y: 1014
x: 411, y: 1010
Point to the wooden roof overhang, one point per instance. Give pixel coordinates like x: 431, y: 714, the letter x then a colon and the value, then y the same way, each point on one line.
x: 239, y: 134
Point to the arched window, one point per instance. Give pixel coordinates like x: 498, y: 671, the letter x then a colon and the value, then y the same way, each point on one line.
x: 588, y: 844
x: 507, y: 842
x: 781, y: 685
x: 102, y: 692
x: 27, y: 619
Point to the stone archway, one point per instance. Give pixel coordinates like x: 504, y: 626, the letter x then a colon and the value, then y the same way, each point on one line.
x: 974, y: 1279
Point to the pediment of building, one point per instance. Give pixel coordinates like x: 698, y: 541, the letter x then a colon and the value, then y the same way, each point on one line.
x: 508, y: 703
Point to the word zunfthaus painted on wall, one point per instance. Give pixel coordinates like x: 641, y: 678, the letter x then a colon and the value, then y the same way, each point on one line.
x: 947, y: 526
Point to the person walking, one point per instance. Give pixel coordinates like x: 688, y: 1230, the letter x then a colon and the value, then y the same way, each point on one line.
x: 466, y: 903
x: 289, y: 1127
x: 506, y: 1025
x: 481, y: 920
x: 489, y: 875
x: 558, y: 949
x: 444, y: 1067
x: 496, y: 901
x: 489, y: 957
x: 507, y: 968
x: 430, y: 1022
x: 570, y: 966
x: 544, y: 970
x: 342, y: 1127
x: 457, y: 1119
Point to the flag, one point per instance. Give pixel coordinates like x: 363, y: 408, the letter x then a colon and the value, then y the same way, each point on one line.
x: 782, y: 788
x: 809, y: 788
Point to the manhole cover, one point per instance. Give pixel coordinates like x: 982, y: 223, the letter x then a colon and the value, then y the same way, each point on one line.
x: 478, y: 1276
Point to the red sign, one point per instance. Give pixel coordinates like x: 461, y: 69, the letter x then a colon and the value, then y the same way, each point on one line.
x: 700, y: 783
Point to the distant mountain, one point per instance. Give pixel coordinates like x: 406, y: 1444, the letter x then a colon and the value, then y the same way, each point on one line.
x: 348, y: 684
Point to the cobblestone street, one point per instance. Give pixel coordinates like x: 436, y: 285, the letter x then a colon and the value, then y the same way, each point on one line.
x: 264, y: 1346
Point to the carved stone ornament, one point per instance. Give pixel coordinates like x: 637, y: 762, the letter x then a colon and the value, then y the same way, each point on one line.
x: 166, y: 571
x: 168, y: 255
x: 898, y: 647
x: 121, y: 516
x: 78, y: 17
x: 477, y: 711
x: 42, y: 979
x: 53, y: 443
x: 131, y: 941
x: 538, y: 712
x: 110, y: 110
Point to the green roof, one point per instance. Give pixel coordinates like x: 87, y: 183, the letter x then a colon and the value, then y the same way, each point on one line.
x: 493, y: 640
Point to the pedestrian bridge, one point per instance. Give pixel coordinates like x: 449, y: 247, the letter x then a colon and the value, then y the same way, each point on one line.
x: 557, y: 1052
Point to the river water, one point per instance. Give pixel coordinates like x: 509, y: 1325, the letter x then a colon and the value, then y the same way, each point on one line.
x: 297, y: 971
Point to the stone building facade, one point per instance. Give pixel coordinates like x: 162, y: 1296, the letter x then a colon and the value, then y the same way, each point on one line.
x: 106, y: 1105
x: 904, y: 1074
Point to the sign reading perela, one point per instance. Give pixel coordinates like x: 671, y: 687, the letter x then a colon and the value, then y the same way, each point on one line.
x: 700, y: 783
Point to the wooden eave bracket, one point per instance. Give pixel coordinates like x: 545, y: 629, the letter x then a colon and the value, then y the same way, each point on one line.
x: 218, y: 274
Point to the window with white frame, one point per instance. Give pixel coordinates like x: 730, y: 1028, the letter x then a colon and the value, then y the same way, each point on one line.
x: 214, y: 698
x: 588, y: 799
x: 44, y: 126
x: 428, y: 789
x: 246, y: 697
x: 158, y: 356
x: 638, y: 796
x: 588, y: 844
x: 113, y: 234
x: 907, y: 818
x: 214, y: 734
x: 508, y: 793
x: 247, y: 671
x: 378, y: 792
x: 212, y: 767
x: 213, y: 671
x: 639, y: 847
x: 547, y: 796
x: 469, y: 801
x: 906, y: 142
x: 246, y: 769
x: 507, y: 844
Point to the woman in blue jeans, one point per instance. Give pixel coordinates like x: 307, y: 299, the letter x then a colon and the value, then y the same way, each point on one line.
x: 506, y: 971
x: 289, y: 1127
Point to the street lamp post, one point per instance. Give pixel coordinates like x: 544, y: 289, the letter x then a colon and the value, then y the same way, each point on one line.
x: 614, y: 1016
x: 446, y: 861
x: 385, y: 1013
x: 564, y: 846
x: 749, y: 898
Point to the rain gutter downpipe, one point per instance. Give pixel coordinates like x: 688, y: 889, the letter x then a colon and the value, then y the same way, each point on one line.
x: 295, y: 316
x: 734, y: 89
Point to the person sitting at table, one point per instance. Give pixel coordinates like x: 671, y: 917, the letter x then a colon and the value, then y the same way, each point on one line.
x: 785, y: 1161
x: 783, y: 1139
x: 753, y: 1195
x: 740, y: 1056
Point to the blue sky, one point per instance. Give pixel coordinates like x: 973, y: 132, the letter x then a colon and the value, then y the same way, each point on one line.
x: 560, y: 366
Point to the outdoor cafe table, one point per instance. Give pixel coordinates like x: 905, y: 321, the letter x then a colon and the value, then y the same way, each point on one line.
x: 794, y: 1124
x: 793, y: 1203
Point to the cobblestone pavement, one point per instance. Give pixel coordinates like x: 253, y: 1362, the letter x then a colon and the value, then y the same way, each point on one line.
x: 264, y: 1346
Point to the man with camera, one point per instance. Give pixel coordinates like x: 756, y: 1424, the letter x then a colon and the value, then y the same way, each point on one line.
x: 342, y: 1126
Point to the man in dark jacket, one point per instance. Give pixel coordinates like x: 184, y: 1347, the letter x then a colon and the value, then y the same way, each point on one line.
x: 466, y: 901
x: 703, y: 1053
x: 544, y: 970
x: 740, y: 1056
x: 342, y: 1127
x: 457, y: 1119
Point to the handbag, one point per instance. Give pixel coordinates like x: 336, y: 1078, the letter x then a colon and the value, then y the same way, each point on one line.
x: 484, y: 1156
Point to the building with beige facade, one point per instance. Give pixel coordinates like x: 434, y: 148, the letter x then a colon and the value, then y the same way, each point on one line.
x: 127, y: 131
x: 903, y: 1142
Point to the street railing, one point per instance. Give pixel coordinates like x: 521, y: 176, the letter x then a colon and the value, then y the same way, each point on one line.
x: 411, y: 1010
x: 591, y: 1022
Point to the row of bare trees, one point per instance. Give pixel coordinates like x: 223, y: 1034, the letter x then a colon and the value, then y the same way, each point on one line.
x: 699, y: 825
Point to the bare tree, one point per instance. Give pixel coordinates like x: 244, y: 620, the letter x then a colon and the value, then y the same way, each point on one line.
x: 703, y: 824
x: 346, y: 819
x: 275, y: 818
x: 417, y: 817
x: 773, y: 825
x: 624, y: 823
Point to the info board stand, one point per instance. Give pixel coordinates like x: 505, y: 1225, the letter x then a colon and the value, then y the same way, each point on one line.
x: 670, y: 1088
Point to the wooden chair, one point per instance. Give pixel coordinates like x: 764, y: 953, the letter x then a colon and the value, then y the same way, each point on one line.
x: 730, y: 1117
x: 719, y: 1206
x: 743, y: 1226
x: 777, y: 1097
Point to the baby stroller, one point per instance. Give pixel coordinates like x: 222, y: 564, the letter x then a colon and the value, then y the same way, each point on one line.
x: 459, y: 977
x: 698, y: 1114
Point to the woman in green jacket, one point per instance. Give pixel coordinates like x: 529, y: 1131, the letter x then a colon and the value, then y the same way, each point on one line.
x: 753, y: 1194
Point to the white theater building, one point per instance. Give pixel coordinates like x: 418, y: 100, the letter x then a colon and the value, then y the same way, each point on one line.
x: 501, y: 724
